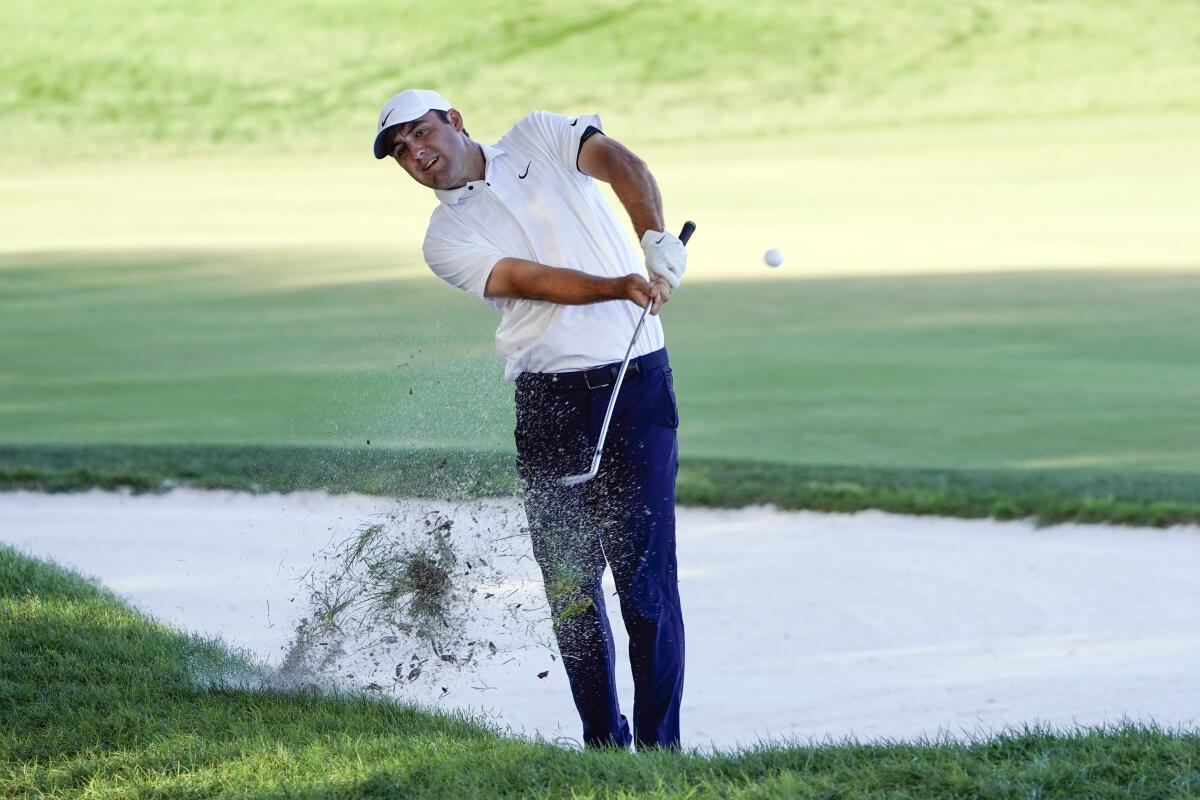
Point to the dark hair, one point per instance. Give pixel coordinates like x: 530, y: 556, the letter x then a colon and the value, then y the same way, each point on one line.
x: 445, y: 117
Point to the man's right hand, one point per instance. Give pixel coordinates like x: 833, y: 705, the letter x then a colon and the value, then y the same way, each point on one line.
x: 640, y: 291
x: 516, y: 277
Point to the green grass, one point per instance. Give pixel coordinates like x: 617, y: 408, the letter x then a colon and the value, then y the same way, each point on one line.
x: 1019, y: 371
x: 1075, y: 386
x: 123, y: 77
x: 897, y: 138
x: 1130, y: 497
x: 102, y: 703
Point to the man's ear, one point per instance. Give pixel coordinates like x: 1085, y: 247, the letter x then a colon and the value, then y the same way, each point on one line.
x: 455, y: 119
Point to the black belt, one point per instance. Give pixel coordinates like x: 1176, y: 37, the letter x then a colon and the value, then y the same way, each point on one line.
x: 597, y: 377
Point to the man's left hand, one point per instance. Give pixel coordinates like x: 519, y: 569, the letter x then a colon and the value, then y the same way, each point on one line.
x: 666, y: 257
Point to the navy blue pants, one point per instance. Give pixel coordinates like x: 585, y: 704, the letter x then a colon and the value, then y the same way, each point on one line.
x: 625, y: 517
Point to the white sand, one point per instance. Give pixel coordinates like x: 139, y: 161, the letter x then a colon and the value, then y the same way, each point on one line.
x: 799, y: 624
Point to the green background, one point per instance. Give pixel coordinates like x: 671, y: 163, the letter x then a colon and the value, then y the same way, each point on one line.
x: 987, y: 210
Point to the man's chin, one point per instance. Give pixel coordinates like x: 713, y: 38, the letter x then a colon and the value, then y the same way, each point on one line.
x: 428, y: 181
x: 441, y: 181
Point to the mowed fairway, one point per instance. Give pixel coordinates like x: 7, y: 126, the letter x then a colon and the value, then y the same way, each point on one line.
x: 1019, y: 370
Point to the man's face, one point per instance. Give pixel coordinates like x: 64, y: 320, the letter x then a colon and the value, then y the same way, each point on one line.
x: 433, y: 152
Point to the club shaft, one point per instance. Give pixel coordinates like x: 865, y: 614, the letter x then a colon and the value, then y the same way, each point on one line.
x: 574, y: 480
x: 612, y: 401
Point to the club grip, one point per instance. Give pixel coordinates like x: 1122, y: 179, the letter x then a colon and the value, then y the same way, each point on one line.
x: 689, y: 228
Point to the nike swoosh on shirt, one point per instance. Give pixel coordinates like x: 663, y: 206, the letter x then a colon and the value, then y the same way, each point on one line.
x: 526, y: 172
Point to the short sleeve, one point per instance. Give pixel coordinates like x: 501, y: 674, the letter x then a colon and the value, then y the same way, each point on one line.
x: 463, y: 265
x: 558, y: 136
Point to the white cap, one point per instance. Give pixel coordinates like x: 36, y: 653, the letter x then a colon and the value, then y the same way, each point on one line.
x: 405, y: 107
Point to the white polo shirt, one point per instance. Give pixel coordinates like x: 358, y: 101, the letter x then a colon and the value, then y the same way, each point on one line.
x: 534, y: 203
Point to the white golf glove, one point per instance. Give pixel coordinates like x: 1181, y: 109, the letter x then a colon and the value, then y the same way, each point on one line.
x: 666, y: 257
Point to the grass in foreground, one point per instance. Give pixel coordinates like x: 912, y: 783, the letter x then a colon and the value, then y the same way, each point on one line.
x: 100, y: 702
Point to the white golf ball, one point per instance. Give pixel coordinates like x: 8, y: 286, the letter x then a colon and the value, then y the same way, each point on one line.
x: 773, y: 257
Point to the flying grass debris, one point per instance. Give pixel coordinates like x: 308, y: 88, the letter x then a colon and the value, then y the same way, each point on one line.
x: 390, y: 585
x: 417, y: 592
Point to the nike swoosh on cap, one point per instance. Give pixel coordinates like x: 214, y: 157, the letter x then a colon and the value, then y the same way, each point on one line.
x: 574, y: 121
x: 526, y: 172
x: 385, y: 119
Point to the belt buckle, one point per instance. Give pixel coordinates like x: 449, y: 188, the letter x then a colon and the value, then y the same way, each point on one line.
x: 587, y: 381
x: 613, y: 370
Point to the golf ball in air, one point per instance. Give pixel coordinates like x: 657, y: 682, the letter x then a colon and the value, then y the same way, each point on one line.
x: 773, y: 257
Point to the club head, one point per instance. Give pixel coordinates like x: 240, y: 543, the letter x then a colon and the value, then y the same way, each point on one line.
x: 575, y: 480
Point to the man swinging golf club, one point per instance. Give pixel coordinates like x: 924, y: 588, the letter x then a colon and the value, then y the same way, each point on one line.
x: 523, y: 226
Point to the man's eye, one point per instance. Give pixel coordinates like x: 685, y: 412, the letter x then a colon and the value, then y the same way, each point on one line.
x: 422, y: 131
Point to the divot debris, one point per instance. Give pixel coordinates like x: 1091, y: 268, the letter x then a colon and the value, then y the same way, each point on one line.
x: 439, y: 582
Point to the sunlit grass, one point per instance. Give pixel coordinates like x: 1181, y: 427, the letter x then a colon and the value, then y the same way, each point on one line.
x: 1120, y: 192
x: 162, y: 78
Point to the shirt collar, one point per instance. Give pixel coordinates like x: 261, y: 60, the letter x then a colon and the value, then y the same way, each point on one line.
x: 452, y: 196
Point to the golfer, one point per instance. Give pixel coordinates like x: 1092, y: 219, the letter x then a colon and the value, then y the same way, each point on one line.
x: 523, y: 226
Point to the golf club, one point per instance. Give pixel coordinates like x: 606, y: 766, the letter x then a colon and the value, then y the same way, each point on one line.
x: 574, y: 480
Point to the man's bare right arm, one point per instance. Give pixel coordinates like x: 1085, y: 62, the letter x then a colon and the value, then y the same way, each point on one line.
x: 517, y: 277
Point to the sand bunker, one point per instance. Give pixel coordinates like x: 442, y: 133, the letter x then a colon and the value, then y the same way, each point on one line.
x: 799, y: 624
